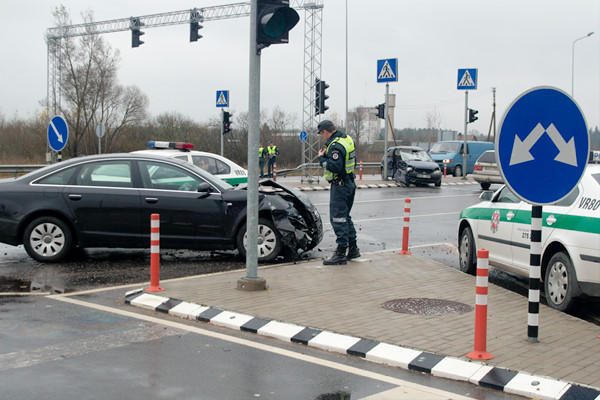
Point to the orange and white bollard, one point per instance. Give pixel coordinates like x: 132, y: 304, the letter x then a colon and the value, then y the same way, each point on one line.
x: 445, y: 162
x: 154, y: 254
x: 405, y: 229
x: 360, y: 171
x: 481, y: 294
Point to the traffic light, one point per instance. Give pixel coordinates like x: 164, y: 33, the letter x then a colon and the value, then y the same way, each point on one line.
x: 320, y: 96
x: 135, y: 25
x: 226, y: 122
x: 473, y: 115
x: 381, y: 110
x: 195, y: 19
x: 274, y: 20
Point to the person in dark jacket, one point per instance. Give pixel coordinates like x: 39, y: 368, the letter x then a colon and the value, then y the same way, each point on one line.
x: 338, y: 160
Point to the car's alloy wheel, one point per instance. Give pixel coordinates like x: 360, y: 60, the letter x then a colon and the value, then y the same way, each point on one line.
x: 466, y: 250
x: 47, y: 239
x: 560, y: 284
x: 458, y: 171
x: 268, y: 240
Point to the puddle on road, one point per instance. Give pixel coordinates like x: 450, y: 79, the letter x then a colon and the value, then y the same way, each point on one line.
x: 16, y: 285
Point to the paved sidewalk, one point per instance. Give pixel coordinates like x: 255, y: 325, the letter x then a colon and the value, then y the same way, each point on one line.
x: 348, y: 300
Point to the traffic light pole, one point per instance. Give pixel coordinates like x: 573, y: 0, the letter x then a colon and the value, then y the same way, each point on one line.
x: 385, y: 132
x: 251, y: 281
x: 464, y: 169
x: 222, y: 129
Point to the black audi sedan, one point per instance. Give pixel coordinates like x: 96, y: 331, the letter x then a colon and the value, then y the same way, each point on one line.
x: 106, y: 201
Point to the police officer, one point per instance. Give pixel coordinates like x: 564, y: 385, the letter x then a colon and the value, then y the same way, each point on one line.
x: 338, y: 160
x: 272, y: 152
x: 262, y: 155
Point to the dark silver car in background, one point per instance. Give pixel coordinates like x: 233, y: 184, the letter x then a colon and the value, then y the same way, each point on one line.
x: 486, y: 171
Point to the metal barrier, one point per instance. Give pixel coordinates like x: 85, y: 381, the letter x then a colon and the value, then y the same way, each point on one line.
x: 19, y: 169
x: 318, y: 169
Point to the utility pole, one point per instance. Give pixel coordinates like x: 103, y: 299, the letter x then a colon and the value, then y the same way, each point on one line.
x: 464, y: 171
x: 493, y: 119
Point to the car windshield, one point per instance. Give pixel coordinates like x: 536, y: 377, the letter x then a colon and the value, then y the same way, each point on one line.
x: 445, y: 147
x: 415, y: 155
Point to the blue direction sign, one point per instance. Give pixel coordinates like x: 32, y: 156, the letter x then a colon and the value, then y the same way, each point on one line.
x: 387, y: 70
x: 58, y: 133
x: 222, y: 98
x: 543, y: 145
x: 467, y: 79
x: 303, y: 136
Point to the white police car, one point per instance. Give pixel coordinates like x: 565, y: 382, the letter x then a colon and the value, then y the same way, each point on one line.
x: 214, y: 164
x: 501, y: 223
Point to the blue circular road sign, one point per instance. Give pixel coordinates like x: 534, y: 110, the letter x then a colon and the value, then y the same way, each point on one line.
x: 58, y: 133
x: 303, y: 136
x: 543, y: 145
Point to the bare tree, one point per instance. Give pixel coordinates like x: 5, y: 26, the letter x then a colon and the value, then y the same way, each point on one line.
x: 357, y: 120
x: 433, y: 126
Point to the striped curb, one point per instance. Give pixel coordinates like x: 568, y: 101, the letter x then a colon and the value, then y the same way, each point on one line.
x: 509, y: 381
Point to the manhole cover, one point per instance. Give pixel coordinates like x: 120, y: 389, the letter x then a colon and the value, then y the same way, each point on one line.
x: 424, y: 306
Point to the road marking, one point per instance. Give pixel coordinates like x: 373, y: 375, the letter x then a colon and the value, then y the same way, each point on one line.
x: 400, y: 217
x: 426, y: 392
x: 414, y: 198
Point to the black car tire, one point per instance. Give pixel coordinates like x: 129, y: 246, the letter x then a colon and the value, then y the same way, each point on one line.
x: 560, y: 283
x: 485, y: 185
x: 382, y: 177
x: 271, y: 240
x: 458, y: 171
x: 438, y: 183
x: 48, y: 239
x: 467, y: 261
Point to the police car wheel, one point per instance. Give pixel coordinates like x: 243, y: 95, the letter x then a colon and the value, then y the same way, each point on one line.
x: 47, y: 239
x: 269, y: 241
x: 467, y: 262
x: 560, y: 283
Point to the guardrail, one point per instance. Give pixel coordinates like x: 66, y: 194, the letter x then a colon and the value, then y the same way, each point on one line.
x: 19, y: 169
x: 315, y: 167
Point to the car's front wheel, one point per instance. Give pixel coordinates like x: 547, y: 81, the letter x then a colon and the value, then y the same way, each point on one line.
x: 458, y: 171
x: 560, y: 283
x: 47, y: 239
x: 269, y: 241
x: 467, y: 261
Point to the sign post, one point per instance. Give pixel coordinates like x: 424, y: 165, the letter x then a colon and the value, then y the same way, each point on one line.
x: 387, y: 71
x: 100, y: 133
x: 542, y: 150
x: 222, y: 102
x: 58, y: 135
x: 467, y: 79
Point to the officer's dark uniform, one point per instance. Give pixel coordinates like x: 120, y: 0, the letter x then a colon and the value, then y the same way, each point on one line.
x: 338, y: 163
x: 262, y: 154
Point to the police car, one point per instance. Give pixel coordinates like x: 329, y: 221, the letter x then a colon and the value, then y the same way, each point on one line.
x: 501, y: 223
x: 214, y: 164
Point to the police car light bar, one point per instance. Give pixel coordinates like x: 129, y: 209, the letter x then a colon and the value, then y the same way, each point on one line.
x: 156, y: 144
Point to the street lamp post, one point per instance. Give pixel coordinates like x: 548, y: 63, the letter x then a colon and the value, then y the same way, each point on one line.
x: 573, y: 61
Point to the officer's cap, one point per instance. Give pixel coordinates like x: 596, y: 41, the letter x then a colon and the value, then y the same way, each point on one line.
x: 325, y: 125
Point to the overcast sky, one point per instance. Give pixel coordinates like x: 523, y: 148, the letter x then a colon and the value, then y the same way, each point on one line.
x: 515, y: 44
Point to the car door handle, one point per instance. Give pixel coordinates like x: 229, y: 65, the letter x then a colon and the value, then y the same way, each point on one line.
x: 75, y: 197
x: 510, y: 215
x: 550, y: 220
x: 151, y: 200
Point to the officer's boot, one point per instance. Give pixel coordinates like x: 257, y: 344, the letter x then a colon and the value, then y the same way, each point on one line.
x: 338, y: 258
x: 353, y: 251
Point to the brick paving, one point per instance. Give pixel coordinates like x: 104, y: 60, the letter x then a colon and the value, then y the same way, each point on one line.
x: 348, y: 300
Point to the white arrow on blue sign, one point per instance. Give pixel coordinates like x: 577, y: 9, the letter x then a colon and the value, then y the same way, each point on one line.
x: 543, y: 145
x: 58, y: 133
x: 467, y: 79
x: 222, y: 98
x: 303, y: 136
x: 387, y: 70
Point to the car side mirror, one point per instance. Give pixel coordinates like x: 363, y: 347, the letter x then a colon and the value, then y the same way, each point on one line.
x: 204, y: 189
x: 486, y: 195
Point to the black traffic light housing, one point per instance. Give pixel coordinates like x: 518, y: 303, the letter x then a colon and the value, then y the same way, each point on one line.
x: 473, y: 115
x: 226, y: 122
x: 274, y: 20
x: 380, y: 110
x: 135, y: 24
x: 320, y: 96
x: 195, y: 19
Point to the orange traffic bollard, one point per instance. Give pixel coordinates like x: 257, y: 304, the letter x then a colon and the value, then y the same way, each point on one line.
x: 154, y: 254
x: 481, y: 294
x: 405, y: 229
x: 360, y: 171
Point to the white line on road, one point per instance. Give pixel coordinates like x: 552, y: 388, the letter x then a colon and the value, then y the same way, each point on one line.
x: 426, y: 392
x: 414, y: 198
x: 400, y: 217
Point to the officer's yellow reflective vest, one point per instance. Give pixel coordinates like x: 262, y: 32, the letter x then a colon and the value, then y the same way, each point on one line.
x: 350, y: 158
x: 260, y: 152
x: 272, y: 150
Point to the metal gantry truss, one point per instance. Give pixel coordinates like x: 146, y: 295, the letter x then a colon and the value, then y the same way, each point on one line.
x: 312, y: 50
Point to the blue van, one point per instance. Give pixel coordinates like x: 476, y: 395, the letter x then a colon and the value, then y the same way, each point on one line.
x: 452, y: 151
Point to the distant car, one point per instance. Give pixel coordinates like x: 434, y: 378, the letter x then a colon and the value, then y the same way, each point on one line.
x: 412, y: 165
x: 450, y: 152
x: 486, y: 170
x: 106, y: 201
x: 570, y: 252
x: 215, y: 164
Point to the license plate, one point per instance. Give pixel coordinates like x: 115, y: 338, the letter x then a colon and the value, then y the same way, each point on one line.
x: 422, y: 176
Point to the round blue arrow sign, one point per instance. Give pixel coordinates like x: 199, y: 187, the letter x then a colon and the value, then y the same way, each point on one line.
x: 58, y: 133
x: 543, y: 145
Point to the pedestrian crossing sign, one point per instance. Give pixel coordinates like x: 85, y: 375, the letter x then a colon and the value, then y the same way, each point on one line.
x: 387, y: 70
x: 467, y: 79
x: 222, y: 98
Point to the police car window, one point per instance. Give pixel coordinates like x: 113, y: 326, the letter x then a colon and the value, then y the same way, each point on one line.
x: 167, y: 177
x: 570, y: 199
x: 62, y: 177
x: 506, y: 196
x: 182, y: 158
x: 105, y: 173
x: 222, y: 168
x: 596, y: 177
x: 206, y: 163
